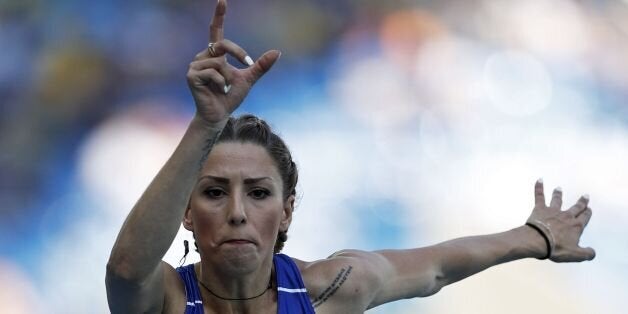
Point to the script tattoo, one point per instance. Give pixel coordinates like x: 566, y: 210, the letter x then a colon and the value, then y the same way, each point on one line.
x: 208, y: 147
x: 335, y: 285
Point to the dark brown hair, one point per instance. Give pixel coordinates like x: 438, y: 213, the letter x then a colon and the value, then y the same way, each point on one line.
x: 248, y: 128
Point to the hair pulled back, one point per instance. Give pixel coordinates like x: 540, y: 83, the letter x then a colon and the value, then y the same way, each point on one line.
x: 248, y: 128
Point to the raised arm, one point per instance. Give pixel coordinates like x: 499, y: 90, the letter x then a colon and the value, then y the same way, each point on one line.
x: 135, y: 273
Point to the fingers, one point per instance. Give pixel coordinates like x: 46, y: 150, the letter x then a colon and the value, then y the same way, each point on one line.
x: 206, y: 63
x: 209, y: 77
x: 539, y: 195
x: 226, y: 46
x: 216, y: 28
x: 204, y: 60
x: 219, y: 64
x: 205, y: 70
x: 587, y: 253
x: 263, y: 64
x: 557, y: 198
x: 585, y: 216
x: 580, y: 206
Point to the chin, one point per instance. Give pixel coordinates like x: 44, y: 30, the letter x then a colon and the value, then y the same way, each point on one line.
x: 240, y: 260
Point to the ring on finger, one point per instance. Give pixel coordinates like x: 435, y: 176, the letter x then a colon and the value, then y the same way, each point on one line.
x: 210, y: 48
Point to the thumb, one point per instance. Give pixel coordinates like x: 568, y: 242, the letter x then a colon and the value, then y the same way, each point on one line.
x: 263, y: 64
x: 587, y: 253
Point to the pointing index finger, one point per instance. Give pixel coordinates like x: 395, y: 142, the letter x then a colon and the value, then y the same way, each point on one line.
x: 216, y: 28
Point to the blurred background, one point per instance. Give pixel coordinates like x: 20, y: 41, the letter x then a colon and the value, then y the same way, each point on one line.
x: 412, y: 122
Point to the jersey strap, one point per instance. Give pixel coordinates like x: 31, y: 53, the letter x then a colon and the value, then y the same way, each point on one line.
x: 194, y: 303
x: 292, y: 297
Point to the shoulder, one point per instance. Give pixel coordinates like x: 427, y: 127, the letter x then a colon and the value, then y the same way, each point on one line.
x: 161, y: 292
x: 174, y: 294
x: 347, y: 281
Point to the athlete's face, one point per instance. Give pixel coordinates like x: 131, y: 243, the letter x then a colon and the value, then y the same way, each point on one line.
x: 237, y: 207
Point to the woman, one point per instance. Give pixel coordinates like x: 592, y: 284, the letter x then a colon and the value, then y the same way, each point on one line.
x: 239, y: 208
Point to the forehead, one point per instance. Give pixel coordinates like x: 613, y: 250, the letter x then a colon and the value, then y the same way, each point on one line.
x: 230, y: 159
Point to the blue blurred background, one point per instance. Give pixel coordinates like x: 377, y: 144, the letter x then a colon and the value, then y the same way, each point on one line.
x: 412, y: 122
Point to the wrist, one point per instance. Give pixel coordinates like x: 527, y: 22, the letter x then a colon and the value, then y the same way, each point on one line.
x: 534, y: 244
x: 200, y: 123
x: 544, y: 230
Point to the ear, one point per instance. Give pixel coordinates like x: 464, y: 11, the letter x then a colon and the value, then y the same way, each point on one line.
x: 187, y: 218
x: 286, y: 217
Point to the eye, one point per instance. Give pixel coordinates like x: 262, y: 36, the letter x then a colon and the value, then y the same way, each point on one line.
x: 214, y: 193
x: 259, y: 194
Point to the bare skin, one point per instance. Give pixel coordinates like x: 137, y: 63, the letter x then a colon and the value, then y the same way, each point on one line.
x: 229, y: 196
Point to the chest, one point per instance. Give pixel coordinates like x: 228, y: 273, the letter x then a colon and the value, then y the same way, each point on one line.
x: 180, y: 305
x: 261, y: 309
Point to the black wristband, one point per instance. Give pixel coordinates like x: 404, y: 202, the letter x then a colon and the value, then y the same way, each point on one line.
x: 547, y: 241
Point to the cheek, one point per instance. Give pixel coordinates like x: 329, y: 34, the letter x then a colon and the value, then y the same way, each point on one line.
x: 204, y: 229
x: 205, y: 218
x: 267, y: 222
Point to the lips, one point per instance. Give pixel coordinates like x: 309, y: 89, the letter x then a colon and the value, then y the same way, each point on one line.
x: 238, y: 241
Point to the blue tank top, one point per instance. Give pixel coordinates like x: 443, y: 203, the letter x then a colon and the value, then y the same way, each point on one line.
x: 292, y: 298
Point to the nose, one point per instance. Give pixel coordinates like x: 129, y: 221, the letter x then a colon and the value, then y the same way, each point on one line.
x: 235, y: 211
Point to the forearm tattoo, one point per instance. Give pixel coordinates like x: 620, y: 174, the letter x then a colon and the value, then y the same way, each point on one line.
x: 208, y: 147
x: 335, y: 285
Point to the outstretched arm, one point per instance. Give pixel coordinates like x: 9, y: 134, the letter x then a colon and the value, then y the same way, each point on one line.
x: 135, y: 274
x: 424, y: 271
x: 389, y: 275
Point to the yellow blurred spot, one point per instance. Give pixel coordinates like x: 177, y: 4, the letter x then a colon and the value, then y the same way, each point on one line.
x: 403, y: 33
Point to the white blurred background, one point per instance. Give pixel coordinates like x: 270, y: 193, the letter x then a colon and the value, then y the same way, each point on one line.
x: 412, y: 122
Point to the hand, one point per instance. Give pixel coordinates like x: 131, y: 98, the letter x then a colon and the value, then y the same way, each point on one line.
x: 218, y: 87
x: 565, y: 226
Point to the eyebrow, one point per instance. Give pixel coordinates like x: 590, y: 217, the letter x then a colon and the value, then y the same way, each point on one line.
x: 225, y: 180
x: 255, y: 180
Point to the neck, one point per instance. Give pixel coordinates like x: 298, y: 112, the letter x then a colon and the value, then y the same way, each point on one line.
x: 235, y: 292
x: 238, y: 298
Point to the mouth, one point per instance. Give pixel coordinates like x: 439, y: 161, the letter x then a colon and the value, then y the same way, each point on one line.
x: 237, y: 242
